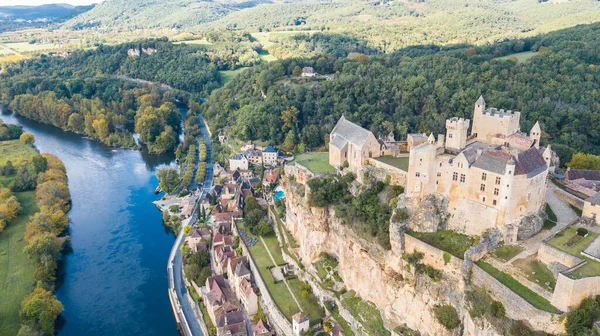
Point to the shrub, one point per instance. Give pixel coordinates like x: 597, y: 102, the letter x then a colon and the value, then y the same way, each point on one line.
x: 497, y: 309
x: 447, y: 257
x: 447, y: 316
x: 519, y: 328
x: 582, y: 232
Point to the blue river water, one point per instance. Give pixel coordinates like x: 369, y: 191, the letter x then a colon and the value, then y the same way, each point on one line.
x: 114, y: 282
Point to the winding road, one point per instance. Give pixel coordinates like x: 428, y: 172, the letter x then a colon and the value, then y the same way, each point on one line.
x: 190, y: 323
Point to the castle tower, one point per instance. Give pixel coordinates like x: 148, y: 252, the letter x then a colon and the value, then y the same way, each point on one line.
x: 536, y: 133
x: 422, y: 165
x: 431, y: 139
x: 477, y: 114
x: 456, y: 133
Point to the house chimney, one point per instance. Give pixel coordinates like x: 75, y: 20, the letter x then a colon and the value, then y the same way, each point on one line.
x: 479, y: 152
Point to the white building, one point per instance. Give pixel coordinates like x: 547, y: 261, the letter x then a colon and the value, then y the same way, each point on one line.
x: 300, y: 323
x: 238, y: 161
x: 269, y: 155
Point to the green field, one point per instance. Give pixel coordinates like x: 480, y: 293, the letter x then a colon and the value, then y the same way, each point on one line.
x: 16, y: 152
x: 228, y: 75
x: 400, y: 163
x: 366, y: 313
x: 16, y: 277
x: 5, y: 51
x: 592, y: 267
x: 265, y: 56
x: 527, y: 294
x: 536, y: 272
x: 198, y: 42
x: 521, y: 57
x: 507, y: 252
x: 317, y: 162
x: 26, y: 47
x: 446, y: 240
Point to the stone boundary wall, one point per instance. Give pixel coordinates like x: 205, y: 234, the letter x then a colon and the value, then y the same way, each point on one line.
x: 276, y: 318
x: 195, y: 306
x: 569, y: 198
x: 516, y: 307
x: 549, y: 254
x: 433, y: 256
x: 568, y: 292
x: 300, y: 173
x: 397, y: 175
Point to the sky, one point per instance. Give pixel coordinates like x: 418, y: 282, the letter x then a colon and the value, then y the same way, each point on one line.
x: 42, y: 2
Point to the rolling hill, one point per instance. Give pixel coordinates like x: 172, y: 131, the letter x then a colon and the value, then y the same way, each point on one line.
x: 17, y: 17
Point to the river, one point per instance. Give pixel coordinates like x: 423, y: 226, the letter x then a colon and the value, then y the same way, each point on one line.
x: 114, y: 282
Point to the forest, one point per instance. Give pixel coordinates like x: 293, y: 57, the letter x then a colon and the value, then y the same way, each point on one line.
x: 416, y: 89
x: 93, y: 93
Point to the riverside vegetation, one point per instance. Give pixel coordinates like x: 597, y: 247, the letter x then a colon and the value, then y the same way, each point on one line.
x: 34, y: 202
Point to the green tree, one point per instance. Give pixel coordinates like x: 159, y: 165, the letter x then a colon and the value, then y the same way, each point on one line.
x: 584, y: 161
x: 27, y: 138
x: 297, y: 71
x: 447, y: 316
x: 289, y: 143
x: 168, y: 179
x: 41, y: 308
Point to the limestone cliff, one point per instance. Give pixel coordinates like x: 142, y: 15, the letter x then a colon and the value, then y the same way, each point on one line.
x: 376, y: 275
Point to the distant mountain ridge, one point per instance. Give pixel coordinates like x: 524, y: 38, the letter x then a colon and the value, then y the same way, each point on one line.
x: 17, y: 17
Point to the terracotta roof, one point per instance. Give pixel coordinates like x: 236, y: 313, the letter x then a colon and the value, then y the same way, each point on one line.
x: 300, y: 317
x: 520, y: 140
x: 260, y: 329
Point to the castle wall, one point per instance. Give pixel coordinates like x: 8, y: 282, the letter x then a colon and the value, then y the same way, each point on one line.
x: 568, y: 292
x: 471, y: 217
x: 527, y: 196
x: 516, y: 307
x: 434, y: 257
x: 571, y: 199
x: 488, y: 125
x: 548, y: 254
x: 380, y: 170
x: 591, y: 211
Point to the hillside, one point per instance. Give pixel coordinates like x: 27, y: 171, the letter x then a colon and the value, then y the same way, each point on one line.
x: 138, y: 14
x: 17, y: 17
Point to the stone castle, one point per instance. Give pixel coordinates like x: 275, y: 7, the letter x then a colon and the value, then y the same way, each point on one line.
x: 494, y: 177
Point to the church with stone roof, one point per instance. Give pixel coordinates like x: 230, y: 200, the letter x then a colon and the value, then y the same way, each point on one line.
x: 494, y: 177
x: 351, y: 143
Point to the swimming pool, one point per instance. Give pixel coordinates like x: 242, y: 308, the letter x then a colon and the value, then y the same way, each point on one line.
x: 279, y: 195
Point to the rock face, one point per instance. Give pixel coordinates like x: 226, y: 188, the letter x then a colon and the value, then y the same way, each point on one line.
x: 427, y: 216
x: 530, y: 225
x: 373, y: 272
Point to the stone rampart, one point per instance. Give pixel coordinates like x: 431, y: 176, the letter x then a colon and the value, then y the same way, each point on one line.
x: 433, y: 256
x: 516, y: 307
x: 549, y: 254
x: 569, y: 198
x: 380, y: 170
x: 568, y: 292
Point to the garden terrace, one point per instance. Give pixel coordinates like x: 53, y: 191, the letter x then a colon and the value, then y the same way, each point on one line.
x: 507, y: 252
x: 317, y: 162
x: 446, y: 240
x: 365, y: 312
x: 569, y: 241
x: 398, y: 162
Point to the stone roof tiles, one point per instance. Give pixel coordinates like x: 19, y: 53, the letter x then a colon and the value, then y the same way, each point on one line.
x: 351, y: 132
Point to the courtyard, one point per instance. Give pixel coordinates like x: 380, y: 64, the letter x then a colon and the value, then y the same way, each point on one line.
x: 398, y: 162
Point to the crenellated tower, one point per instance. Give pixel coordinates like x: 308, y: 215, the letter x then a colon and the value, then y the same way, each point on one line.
x: 456, y: 133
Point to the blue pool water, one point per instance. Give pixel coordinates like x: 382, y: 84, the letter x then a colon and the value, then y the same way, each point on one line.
x: 279, y: 195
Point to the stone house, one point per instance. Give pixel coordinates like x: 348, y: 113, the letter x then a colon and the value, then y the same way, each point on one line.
x: 300, y: 323
x: 269, y: 156
x: 247, y: 146
x: 491, y: 179
x: 591, y: 209
x: 238, y: 161
x: 222, y: 307
x: 260, y: 329
x: 351, y: 143
x: 271, y: 176
x: 308, y: 72
x: 254, y: 156
x: 240, y: 278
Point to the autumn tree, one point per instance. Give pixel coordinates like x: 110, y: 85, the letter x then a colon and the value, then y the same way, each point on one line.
x: 40, y: 309
x: 168, y: 179
x: 584, y: 161
x: 27, y: 138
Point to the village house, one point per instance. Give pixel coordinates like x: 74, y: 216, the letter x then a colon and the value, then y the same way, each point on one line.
x: 254, y: 156
x: 222, y: 256
x: 240, y: 278
x: 269, y: 156
x: 222, y: 137
x: 591, y: 210
x: 308, y: 72
x: 238, y: 161
x: 248, y: 146
x: 351, y: 143
x: 222, y: 307
x: 300, y: 323
x: 492, y: 179
x: 197, y: 241
x: 260, y: 329
x: 271, y: 177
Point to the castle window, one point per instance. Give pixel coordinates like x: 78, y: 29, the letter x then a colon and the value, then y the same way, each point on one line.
x: 454, y: 176
x: 420, y: 160
x: 462, y: 178
x: 450, y: 136
x: 440, y: 164
x: 494, y: 202
x: 496, y: 191
x: 483, y: 199
x: 439, y: 174
x: 417, y: 174
x: 482, y: 187
x: 483, y: 176
x: 497, y: 180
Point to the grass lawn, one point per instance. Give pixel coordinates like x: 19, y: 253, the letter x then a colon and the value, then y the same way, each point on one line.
x: 324, y: 265
x: 335, y: 313
x: 273, y: 246
x: 205, y: 316
x: 5, y: 51
x: 507, y: 252
x: 200, y: 42
x: 536, y: 272
x: 228, y: 75
x: 317, y: 162
x: 16, y: 152
x: 446, y: 240
x: 592, y: 267
x: 551, y: 221
x: 400, y: 163
x: 310, y: 304
x: 365, y: 312
x: 16, y: 277
x: 576, y: 209
x: 266, y: 57
x: 527, y: 294
x: 521, y: 57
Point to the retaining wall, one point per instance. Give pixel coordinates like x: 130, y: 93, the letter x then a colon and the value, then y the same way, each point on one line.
x: 569, y: 198
x: 549, y: 254
x: 380, y: 170
x: 433, y: 256
x: 568, y: 292
x: 516, y: 307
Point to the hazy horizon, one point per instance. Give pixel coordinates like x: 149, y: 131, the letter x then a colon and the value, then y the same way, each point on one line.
x: 45, y: 2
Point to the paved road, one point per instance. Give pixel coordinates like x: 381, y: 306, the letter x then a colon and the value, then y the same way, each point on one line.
x: 175, y: 262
